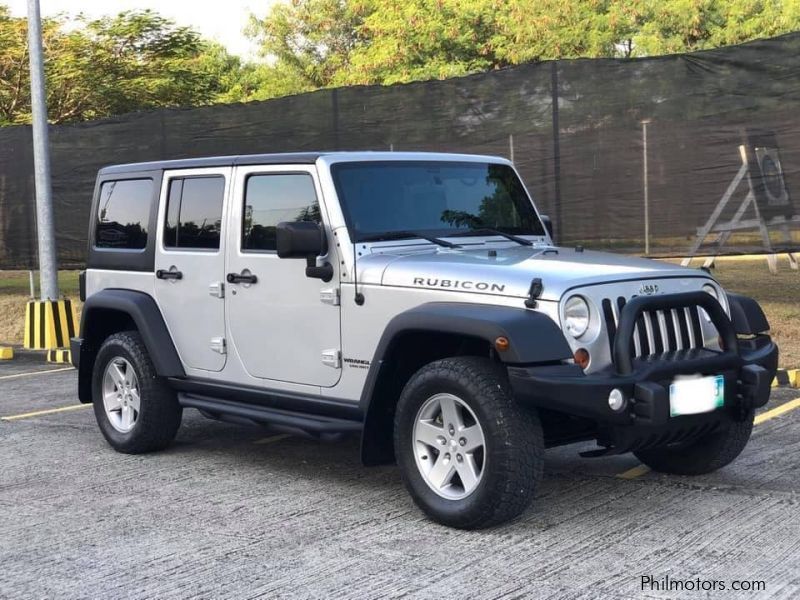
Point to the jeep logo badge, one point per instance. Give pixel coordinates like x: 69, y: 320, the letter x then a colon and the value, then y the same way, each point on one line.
x: 648, y: 289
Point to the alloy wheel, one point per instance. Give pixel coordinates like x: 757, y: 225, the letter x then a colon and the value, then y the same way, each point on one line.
x: 449, y: 446
x: 121, y: 396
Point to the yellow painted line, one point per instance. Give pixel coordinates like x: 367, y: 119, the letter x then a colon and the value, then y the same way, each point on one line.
x: 635, y: 472
x: 640, y: 470
x: 777, y: 411
x: 272, y: 439
x: 29, y: 373
x: 39, y: 413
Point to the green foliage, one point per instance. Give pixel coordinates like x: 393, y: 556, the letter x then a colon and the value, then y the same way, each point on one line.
x: 312, y: 39
x: 136, y: 60
x: 139, y: 60
x: 320, y: 43
x: 14, y: 80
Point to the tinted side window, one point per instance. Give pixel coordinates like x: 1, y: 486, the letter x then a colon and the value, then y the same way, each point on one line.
x: 272, y: 199
x: 194, y: 212
x: 122, y: 214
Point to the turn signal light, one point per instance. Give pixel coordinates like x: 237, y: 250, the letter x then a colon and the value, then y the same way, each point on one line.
x: 582, y: 357
x: 502, y: 344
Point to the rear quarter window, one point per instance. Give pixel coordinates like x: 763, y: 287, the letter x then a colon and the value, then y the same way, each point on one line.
x: 123, y: 214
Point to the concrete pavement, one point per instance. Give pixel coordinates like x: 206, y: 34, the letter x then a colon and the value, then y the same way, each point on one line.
x: 235, y: 512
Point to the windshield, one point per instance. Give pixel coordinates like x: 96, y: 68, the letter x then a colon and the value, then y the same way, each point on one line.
x: 433, y: 198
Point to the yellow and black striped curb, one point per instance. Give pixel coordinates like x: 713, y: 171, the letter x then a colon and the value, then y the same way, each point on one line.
x: 787, y: 377
x: 6, y: 353
x: 61, y: 355
x: 49, y: 324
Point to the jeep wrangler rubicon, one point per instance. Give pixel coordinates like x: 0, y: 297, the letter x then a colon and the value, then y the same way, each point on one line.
x: 414, y: 298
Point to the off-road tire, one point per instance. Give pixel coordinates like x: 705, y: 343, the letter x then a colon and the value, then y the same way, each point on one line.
x: 159, y: 414
x: 703, y: 455
x: 514, y: 443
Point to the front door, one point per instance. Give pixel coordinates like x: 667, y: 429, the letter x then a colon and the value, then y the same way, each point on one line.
x: 284, y: 325
x: 190, y: 264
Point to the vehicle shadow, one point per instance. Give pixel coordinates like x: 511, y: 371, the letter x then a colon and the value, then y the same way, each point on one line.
x: 572, y: 488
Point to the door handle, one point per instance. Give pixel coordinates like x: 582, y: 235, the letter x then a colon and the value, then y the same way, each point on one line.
x: 162, y: 274
x: 241, y: 277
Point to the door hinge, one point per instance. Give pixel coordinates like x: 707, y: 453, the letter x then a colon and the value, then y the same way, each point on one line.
x: 218, y: 345
x: 216, y: 289
x: 329, y: 296
x: 332, y: 358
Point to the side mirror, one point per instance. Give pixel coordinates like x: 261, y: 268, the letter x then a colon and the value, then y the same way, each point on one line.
x: 548, y: 225
x: 304, y: 239
x: 299, y: 239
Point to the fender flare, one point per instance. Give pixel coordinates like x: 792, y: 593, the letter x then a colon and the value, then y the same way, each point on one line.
x: 747, y: 315
x: 144, y: 312
x: 534, y: 339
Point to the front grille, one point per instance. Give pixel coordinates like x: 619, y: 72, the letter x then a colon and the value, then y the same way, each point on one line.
x: 656, y: 331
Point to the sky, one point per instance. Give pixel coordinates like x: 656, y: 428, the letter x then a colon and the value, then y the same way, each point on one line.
x: 222, y: 21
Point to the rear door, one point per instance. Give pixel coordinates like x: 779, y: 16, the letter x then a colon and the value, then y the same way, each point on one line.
x: 284, y: 325
x: 190, y: 263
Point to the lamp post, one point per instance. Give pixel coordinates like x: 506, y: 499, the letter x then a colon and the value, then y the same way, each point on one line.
x: 645, y: 176
x: 48, y: 268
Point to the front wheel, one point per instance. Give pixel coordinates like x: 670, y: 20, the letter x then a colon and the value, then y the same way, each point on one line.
x: 469, y: 455
x: 703, y: 455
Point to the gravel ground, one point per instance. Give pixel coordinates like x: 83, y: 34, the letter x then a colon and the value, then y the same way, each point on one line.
x: 238, y: 512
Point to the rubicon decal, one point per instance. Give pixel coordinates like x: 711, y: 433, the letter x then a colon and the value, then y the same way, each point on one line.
x: 481, y: 286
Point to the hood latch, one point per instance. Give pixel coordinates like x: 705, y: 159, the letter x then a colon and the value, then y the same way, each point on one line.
x: 534, y: 292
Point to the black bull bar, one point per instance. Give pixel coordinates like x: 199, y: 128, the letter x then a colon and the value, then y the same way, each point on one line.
x: 748, y: 366
x: 622, y: 351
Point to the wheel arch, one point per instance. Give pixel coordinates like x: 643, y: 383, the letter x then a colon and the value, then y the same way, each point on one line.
x: 439, y: 330
x: 113, y: 310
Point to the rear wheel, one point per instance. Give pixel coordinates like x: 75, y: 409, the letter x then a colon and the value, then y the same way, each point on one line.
x: 135, y: 409
x: 702, y: 455
x: 469, y: 455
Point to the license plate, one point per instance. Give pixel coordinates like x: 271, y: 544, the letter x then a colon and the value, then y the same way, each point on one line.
x: 695, y: 395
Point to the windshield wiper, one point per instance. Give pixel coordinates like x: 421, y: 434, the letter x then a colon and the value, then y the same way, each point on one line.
x: 489, y: 231
x: 404, y: 235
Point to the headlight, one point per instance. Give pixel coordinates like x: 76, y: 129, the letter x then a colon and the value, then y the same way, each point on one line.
x: 576, y: 316
x: 710, y: 289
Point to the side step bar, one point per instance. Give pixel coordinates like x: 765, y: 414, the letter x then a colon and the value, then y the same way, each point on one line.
x: 229, y: 410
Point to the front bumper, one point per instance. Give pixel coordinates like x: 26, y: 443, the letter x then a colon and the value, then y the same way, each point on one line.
x: 747, y: 365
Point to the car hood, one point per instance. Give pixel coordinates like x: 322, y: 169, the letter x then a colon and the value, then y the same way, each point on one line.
x: 506, y: 271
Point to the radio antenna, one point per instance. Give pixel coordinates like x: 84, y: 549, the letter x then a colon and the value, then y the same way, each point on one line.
x: 359, y: 297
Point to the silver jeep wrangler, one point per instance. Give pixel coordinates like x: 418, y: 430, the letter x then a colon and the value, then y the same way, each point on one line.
x: 414, y: 298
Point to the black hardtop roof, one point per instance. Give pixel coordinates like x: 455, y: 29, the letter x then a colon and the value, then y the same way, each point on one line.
x: 216, y: 161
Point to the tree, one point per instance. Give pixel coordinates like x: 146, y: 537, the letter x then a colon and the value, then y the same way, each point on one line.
x: 14, y: 73
x: 139, y: 60
x: 136, y: 60
x: 652, y: 27
x: 321, y: 43
x: 310, y: 40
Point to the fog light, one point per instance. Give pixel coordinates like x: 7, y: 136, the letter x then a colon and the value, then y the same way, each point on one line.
x: 582, y: 358
x: 616, y: 400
